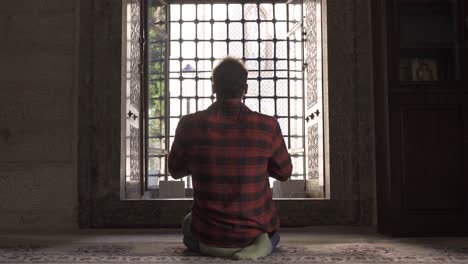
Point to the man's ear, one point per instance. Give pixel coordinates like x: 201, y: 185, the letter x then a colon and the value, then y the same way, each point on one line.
x: 246, y: 88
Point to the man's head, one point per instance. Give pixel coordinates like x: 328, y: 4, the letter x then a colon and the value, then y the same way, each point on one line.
x: 229, y: 79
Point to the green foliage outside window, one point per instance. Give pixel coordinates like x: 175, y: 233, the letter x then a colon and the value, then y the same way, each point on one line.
x: 157, y: 44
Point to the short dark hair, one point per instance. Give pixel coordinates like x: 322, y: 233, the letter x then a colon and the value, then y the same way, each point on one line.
x: 229, y: 78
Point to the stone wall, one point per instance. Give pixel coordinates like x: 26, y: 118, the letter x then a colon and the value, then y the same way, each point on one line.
x: 351, y: 112
x: 38, y: 137
x: 350, y: 108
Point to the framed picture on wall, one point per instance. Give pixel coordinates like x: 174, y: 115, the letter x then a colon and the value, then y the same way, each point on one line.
x: 424, y: 69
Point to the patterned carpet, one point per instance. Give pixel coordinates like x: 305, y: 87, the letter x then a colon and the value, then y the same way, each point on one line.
x: 351, y: 253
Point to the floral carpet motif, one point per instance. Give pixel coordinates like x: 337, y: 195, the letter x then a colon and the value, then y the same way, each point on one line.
x: 133, y: 253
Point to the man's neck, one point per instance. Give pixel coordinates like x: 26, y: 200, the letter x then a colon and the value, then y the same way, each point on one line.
x: 229, y: 100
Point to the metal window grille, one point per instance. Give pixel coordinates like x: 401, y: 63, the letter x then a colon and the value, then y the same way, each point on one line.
x: 201, y: 34
x: 157, y: 129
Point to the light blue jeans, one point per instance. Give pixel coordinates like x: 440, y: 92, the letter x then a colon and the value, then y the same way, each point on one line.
x: 193, y: 244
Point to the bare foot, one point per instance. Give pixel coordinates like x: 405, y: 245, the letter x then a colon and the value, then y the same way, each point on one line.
x: 260, y: 248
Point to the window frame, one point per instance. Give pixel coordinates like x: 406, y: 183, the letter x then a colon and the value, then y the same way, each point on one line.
x: 291, y: 25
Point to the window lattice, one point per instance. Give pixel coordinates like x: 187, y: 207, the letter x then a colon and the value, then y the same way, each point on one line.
x: 157, y: 92
x: 201, y: 34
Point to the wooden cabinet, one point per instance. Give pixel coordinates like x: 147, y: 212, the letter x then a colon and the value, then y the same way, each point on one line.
x: 425, y: 188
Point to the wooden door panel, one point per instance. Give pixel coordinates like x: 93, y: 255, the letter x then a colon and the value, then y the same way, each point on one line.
x: 432, y: 176
x: 465, y: 150
x: 428, y: 154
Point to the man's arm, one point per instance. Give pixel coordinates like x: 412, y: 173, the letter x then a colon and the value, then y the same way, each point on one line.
x: 177, y: 161
x: 279, y: 164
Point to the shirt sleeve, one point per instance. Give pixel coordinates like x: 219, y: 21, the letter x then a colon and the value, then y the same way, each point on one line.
x: 279, y: 164
x: 177, y: 161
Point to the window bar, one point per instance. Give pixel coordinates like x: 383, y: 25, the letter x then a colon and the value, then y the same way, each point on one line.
x: 288, y: 56
x: 243, y: 34
x: 163, y: 116
x: 189, y: 178
x: 244, y: 37
x: 212, y: 41
x: 259, y: 62
x: 228, y: 21
x: 143, y: 95
x: 196, y: 57
x: 145, y: 24
x: 275, y: 59
x: 181, y: 78
x: 167, y: 104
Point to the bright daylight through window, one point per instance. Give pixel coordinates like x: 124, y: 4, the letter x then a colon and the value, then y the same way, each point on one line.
x: 185, y: 41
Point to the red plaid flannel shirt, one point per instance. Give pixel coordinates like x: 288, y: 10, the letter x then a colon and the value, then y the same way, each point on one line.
x: 230, y: 151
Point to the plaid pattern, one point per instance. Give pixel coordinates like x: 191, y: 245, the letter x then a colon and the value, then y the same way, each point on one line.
x: 230, y: 151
